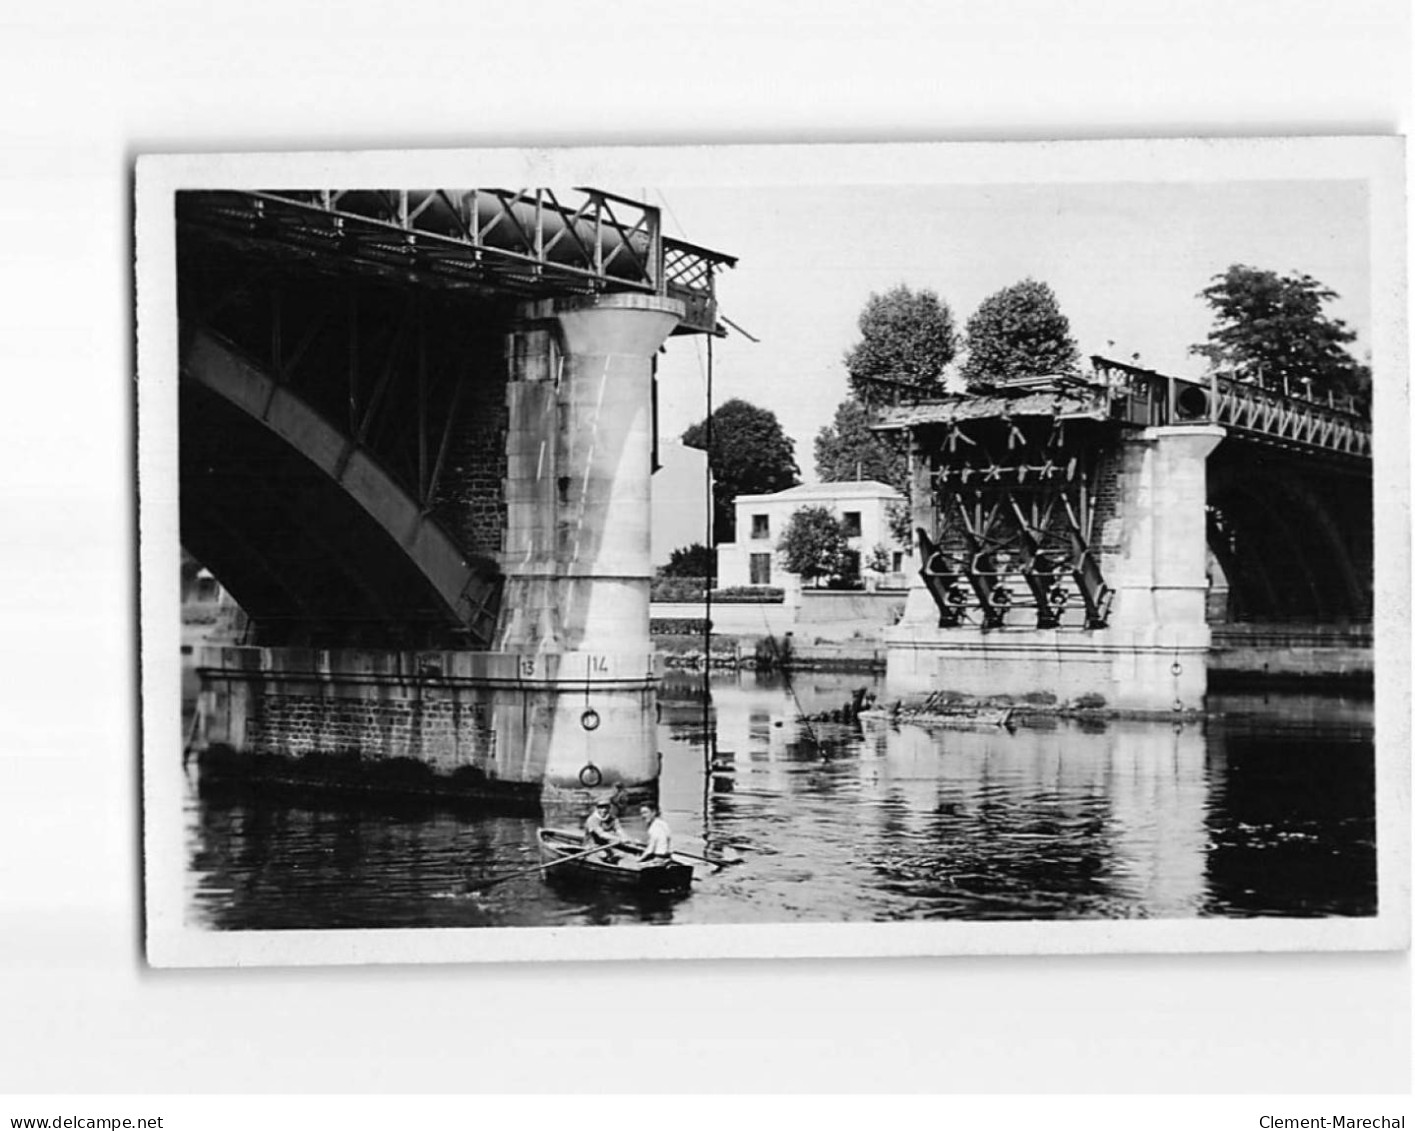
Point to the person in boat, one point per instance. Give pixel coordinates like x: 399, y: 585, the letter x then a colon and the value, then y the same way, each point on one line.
x: 659, y: 849
x: 602, y: 828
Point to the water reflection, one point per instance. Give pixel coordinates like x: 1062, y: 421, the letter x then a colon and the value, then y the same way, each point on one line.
x: 1265, y: 809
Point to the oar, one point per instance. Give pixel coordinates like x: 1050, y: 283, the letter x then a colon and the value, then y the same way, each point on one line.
x: 538, y: 868
x: 715, y: 861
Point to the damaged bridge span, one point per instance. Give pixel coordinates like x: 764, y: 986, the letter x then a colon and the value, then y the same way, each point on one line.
x: 1111, y: 538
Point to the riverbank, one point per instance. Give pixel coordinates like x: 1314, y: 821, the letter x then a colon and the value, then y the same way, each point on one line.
x: 792, y: 655
x: 770, y: 653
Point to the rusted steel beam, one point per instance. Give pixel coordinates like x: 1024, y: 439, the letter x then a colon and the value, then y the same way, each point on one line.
x: 942, y: 580
x: 1038, y: 570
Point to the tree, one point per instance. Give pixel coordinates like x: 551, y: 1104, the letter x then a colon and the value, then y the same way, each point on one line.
x: 814, y: 544
x: 1019, y: 332
x: 1273, y: 329
x: 877, y: 561
x: 906, y: 339
x: 696, y: 560
x: 750, y: 455
x: 848, y: 450
x: 900, y: 519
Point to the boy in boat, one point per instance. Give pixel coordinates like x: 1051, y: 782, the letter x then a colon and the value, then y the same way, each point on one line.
x: 602, y: 827
x: 659, y: 849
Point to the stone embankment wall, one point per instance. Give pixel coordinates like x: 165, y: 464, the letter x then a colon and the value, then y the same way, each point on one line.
x: 835, y: 615
x: 1254, y: 652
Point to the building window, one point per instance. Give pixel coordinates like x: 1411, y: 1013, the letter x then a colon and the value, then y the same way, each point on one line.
x: 761, y: 526
x: 898, y: 561
x: 852, y: 524
x: 760, y: 565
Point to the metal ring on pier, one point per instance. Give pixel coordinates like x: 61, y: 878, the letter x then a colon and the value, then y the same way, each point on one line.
x: 1176, y: 668
x: 590, y: 776
x: 589, y: 718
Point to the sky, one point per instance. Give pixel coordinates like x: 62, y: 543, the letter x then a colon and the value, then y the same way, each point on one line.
x: 1126, y: 260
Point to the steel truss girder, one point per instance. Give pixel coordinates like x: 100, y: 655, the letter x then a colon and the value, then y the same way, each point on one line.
x: 524, y: 243
x: 1265, y: 413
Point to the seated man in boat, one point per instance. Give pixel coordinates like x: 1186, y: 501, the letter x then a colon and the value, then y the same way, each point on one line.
x: 659, y: 849
x: 602, y: 827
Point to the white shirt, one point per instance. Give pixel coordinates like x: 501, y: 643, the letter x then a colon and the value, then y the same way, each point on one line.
x: 660, y: 842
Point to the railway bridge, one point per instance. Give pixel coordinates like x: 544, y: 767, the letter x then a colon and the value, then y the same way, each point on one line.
x: 417, y: 431
x: 1109, y: 539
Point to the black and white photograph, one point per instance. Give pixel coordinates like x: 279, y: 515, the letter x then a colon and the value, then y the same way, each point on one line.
x: 846, y: 563
x: 822, y: 550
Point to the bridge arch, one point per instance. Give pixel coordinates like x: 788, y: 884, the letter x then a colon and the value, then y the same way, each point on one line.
x: 1286, y: 548
x: 309, y: 533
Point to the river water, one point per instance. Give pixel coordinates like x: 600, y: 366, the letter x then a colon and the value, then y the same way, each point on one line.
x: 1266, y: 808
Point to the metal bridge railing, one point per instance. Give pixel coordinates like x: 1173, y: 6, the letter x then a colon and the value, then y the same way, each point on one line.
x: 1272, y: 415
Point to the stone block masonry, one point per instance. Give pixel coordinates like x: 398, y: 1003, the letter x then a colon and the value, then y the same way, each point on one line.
x: 484, y: 726
x: 401, y: 722
x: 470, y: 502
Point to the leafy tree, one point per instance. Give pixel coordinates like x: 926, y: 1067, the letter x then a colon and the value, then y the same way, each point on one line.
x: 696, y: 560
x: 878, y: 559
x: 1019, y: 332
x: 814, y: 544
x: 750, y: 455
x: 1272, y: 328
x: 906, y: 339
x: 900, y: 517
x: 847, y: 450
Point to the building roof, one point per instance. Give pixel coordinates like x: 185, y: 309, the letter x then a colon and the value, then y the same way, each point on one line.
x: 845, y: 489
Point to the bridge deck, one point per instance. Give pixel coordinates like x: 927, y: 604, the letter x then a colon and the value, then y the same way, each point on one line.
x: 529, y: 243
x: 1126, y: 394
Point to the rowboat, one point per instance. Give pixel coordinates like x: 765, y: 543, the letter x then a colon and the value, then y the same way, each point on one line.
x: 617, y: 867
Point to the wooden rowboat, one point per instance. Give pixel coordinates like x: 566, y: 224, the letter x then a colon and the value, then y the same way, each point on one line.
x: 617, y: 867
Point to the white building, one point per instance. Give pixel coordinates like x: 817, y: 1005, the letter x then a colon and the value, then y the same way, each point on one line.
x: 863, y: 508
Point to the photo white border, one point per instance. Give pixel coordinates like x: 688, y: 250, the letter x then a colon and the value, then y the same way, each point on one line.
x: 1378, y: 161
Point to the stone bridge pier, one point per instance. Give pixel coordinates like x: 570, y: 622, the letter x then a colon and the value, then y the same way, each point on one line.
x: 563, y: 699
x: 416, y: 445
x: 577, y: 558
x: 1081, y: 537
x: 1151, y: 653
